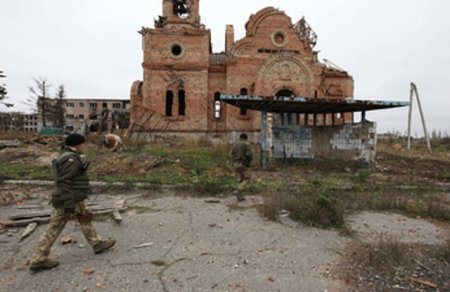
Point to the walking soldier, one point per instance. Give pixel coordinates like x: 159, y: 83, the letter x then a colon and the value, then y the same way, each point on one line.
x: 72, y: 188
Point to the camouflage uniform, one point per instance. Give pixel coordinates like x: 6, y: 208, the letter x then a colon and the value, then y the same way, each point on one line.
x: 241, y: 155
x: 72, y: 188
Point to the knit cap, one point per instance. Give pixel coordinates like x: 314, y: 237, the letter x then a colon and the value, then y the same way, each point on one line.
x: 74, y: 139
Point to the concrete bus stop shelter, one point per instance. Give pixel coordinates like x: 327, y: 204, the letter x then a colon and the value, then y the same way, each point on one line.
x: 315, y: 128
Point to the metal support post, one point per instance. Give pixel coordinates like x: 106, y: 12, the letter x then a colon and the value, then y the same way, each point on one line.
x: 263, y: 136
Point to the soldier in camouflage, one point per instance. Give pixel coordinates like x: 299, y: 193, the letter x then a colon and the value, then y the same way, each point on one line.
x: 242, y: 155
x: 72, y: 188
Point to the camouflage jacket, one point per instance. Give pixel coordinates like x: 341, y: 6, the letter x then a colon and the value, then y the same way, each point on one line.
x: 241, y: 152
x: 71, y: 179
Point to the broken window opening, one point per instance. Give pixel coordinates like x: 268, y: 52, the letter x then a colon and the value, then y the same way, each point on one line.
x: 176, y: 50
x: 169, y: 103
x: 217, y: 105
x: 181, y: 103
x: 181, y: 8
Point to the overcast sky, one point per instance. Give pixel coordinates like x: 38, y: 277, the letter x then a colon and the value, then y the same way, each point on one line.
x: 92, y: 47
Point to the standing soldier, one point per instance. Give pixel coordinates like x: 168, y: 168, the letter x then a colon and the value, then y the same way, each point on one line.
x: 72, y: 188
x: 242, y: 155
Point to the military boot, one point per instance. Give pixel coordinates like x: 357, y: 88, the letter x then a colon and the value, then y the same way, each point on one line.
x: 239, y: 196
x: 104, y: 245
x: 45, y: 265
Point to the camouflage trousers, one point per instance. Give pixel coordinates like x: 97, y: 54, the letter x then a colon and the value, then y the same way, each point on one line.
x: 56, y: 225
x: 242, y: 175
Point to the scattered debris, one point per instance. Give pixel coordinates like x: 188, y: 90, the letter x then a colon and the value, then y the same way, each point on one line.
x: 113, y: 142
x: 283, y: 213
x: 48, y: 140
x: 9, y: 143
x: 11, y: 232
x: 67, y: 239
x: 143, y: 245
x: 117, y: 217
x: 212, y: 201
x: 88, y: 271
x: 28, y: 230
x: 423, y: 282
x: 158, y: 263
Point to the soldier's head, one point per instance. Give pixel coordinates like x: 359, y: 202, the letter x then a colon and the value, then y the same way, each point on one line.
x: 75, y: 141
x: 243, y: 136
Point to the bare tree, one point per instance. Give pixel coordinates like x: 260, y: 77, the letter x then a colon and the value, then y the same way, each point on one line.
x: 4, y: 92
x: 39, y: 96
x: 59, y: 108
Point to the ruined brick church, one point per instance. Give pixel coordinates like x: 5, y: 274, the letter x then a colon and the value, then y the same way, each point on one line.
x: 183, y: 79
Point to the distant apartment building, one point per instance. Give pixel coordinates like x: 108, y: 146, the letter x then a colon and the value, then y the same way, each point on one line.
x: 20, y: 122
x: 91, y: 114
x: 30, y: 122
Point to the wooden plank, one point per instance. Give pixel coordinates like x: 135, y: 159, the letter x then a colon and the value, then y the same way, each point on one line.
x: 30, y: 207
x: 26, y: 221
x: 45, y: 213
x: 110, y: 205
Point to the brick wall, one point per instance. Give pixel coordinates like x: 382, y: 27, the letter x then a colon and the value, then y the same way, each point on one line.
x: 270, y: 59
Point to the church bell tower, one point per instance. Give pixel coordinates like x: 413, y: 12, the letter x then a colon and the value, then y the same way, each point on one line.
x: 182, y: 11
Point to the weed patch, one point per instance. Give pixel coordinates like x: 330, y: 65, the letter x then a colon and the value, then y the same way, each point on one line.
x: 314, y: 203
x: 388, y: 265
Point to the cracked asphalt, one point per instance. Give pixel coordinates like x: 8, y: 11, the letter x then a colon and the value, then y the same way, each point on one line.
x: 171, y: 242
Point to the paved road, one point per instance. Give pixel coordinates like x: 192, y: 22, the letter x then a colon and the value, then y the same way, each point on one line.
x: 188, y: 244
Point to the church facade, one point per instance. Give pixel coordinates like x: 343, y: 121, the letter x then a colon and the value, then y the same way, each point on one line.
x: 183, y: 79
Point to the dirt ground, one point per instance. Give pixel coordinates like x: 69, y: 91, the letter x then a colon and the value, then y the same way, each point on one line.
x: 169, y: 241
x: 174, y: 240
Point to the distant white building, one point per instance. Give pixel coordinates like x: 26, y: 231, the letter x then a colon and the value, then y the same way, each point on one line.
x: 84, y: 114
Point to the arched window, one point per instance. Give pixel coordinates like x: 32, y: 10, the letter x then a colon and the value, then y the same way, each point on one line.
x: 217, y: 109
x: 169, y: 103
x: 285, y: 93
x: 181, y: 103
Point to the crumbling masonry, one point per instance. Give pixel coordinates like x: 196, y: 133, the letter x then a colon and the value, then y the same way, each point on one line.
x: 183, y: 78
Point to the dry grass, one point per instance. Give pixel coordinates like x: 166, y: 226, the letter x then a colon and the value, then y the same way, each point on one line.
x: 316, y: 203
x: 388, y: 265
x: 384, y: 252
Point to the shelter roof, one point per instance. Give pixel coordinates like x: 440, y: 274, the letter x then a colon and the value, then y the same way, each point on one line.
x: 297, y: 104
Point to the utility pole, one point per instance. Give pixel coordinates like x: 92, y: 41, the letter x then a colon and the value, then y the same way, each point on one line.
x: 413, y: 91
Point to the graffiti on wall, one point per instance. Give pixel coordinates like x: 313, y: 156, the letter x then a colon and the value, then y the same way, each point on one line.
x: 292, y: 142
